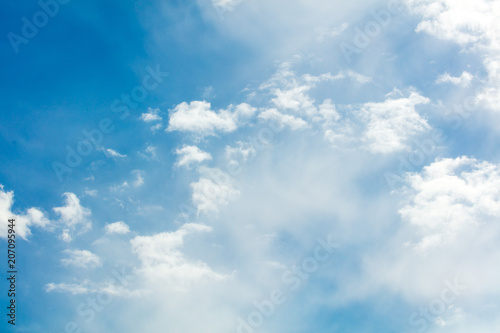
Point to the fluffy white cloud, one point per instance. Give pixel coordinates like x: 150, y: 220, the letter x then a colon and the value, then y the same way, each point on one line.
x: 452, y: 196
x: 327, y: 113
x: 291, y: 92
x: 119, y: 227
x: 32, y: 217
x: 81, y: 258
x: 214, y: 189
x: 391, y: 123
x: 450, y: 232
x: 151, y: 115
x: 462, y: 80
x: 242, y: 152
x: 191, y: 154
x: 282, y: 120
x: 474, y: 26
x: 197, y: 117
x: 162, y: 260
x: 74, y: 218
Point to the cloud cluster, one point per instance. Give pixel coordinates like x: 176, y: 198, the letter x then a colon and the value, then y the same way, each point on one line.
x: 82, y: 259
x: 73, y: 217
x: 473, y: 26
x: 33, y: 217
x: 162, y: 260
x: 198, y: 117
x: 191, y: 154
x: 119, y: 227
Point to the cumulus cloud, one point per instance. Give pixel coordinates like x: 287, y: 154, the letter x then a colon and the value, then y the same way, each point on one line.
x: 162, y: 260
x: 74, y: 218
x: 472, y: 25
x: 33, y: 217
x: 191, y: 154
x: 291, y: 92
x: 452, y: 196
x: 197, y: 117
x: 152, y: 115
x: 119, y: 227
x: 82, y: 259
x: 283, y: 120
x: 449, y: 232
x: 242, y: 152
x: 391, y: 123
x: 462, y: 80
x: 214, y: 189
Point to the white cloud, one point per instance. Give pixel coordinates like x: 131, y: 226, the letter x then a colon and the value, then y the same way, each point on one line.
x: 214, y: 189
x: 449, y: 231
x: 327, y: 113
x: 139, y: 178
x: 150, y: 153
x: 244, y: 110
x: 242, y: 152
x: 119, y: 227
x: 391, y: 123
x: 162, y: 260
x: 360, y: 78
x: 86, y: 287
x: 281, y: 119
x: 33, y: 216
x: 191, y: 154
x: 74, y: 218
x: 70, y: 288
x: 151, y: 115
x: 197, y: 117
x: 81, y: 258
x: 110, y: 152
x: 452, y: 196
x: 292, y: 92
x: 462, y: 80
x: 472, y: 25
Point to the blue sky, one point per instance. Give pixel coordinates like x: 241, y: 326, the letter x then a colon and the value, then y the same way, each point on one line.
x: 252, y: 166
